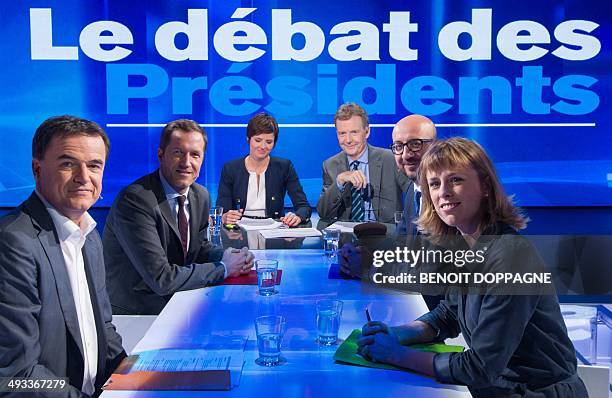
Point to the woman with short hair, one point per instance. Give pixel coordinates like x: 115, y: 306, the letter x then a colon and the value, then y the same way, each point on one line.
x: 517, y: 344
x: 255, y: 186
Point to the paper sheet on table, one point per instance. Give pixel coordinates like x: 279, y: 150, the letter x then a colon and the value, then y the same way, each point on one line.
x: 171, y: 360
x: 347, y: 352
x: 344, y: 226
x: 290, y: 233
x: 253, y: 224
x: 179, y: 369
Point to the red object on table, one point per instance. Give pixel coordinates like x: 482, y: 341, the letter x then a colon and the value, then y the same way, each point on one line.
x: 250, y: 278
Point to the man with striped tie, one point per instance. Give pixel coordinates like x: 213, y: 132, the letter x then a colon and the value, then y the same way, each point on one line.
x: 411, y: 136
x: 361, y: 183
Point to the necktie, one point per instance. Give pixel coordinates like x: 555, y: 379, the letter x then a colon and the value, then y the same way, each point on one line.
x: 417, y: 209
x: 357, y: 212
x: 417, y: 203
x: 182, y: 223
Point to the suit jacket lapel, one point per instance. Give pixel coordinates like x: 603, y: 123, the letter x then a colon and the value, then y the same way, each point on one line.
x: 50, y: 243
x: 341, y: 167
x: 164, y: 206
x: 409, y: 226
x: 271, y: 198
x: 375, y: 174
x: 90, y: 257
x: 242, y: 185
x: 196, y: 208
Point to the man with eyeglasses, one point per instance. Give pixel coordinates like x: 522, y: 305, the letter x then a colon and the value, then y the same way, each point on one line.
x: 411, y: 137
x: 361, y: 183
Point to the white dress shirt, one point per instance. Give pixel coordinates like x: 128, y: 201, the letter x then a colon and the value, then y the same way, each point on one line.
x: 172, y: 197
x: 256, y: 195
x: 72, y: 238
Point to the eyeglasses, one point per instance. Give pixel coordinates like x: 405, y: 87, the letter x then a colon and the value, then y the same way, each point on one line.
x: 413, y: 145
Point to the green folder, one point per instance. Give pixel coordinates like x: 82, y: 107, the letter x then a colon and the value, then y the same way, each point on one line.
x: 347, y: 352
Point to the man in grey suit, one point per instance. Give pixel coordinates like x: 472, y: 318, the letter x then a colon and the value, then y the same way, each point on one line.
x: 361, y: 183
x: 155, y: 240
x: 55, y: 316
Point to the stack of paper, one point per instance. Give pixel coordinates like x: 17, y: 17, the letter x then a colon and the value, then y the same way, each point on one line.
x: 252, y: 224
x: 344, y: 226
x: 215, y: 365
x: 290, y: 233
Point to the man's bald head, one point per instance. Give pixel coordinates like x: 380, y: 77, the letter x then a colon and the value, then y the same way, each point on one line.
x: 411, y: 129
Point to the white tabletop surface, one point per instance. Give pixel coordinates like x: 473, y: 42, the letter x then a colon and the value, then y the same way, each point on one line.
x: 310, y: 370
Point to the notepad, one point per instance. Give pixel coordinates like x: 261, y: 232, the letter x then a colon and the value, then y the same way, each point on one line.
x: 344, y: 226
x: 178, y: 370
x: 253, y: 224
x: 290, y: 233
x: 347, y: 352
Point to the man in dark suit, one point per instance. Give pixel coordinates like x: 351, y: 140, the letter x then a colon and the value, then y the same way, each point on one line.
x: 55, y: 316
x: 361, y: 183
x: 155, y: 235
x: 411, y: 137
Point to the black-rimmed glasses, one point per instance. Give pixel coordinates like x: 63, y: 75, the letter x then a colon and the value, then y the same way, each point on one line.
x: 414, y: 145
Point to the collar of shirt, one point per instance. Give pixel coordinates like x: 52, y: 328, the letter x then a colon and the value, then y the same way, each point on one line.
x: 363, y: 159
x: 66, y: 228
x: 170, y: 192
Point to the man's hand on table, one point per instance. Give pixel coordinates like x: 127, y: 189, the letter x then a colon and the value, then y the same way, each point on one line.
x: 238, y: 261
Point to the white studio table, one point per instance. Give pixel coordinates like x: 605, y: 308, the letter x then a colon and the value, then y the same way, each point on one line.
x: 310, y: 370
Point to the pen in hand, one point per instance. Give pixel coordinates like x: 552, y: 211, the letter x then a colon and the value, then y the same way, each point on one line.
x: 368, y: 315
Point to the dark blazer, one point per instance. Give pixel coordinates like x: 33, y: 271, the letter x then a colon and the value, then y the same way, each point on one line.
x: 39, y: 329
x: 144, y: 257
x: 407, y: 226
x: 518, y: 344
x: 386, y: 180
x: 281, y: 178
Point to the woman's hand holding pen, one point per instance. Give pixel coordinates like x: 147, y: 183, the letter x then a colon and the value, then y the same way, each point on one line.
x: 232, y: 216
x: 378, y: 343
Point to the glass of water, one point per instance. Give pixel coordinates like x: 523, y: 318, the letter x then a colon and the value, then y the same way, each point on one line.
x: 329, y: 313
x: 270, y: 330
x: 331, y: 237
x: 266, y: 276
x: 398, y: 216
x: 215, y: 219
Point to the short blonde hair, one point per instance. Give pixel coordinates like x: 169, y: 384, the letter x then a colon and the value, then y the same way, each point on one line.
x: 459, y: 153
x: 350, y: 109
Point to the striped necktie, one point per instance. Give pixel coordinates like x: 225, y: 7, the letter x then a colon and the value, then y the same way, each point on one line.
x: 357, y: 212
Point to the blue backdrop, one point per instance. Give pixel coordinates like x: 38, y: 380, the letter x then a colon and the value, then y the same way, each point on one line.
x: 528, y: 80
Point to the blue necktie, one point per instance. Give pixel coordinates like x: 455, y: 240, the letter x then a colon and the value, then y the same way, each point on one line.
x: 357, y: 212
x: 417, y: 209
x: 417, y: 203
